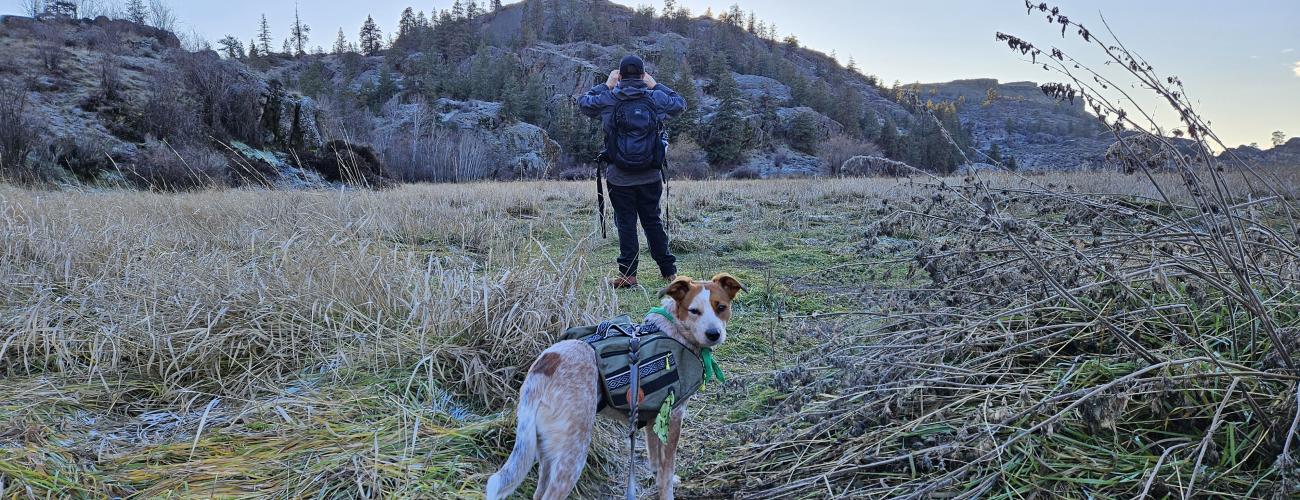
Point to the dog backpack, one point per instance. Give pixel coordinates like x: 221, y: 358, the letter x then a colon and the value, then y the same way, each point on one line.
x: 635, y: 140
x: 666, y: 366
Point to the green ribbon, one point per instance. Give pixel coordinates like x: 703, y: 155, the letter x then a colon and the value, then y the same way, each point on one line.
x: 711, y: 367
x: 663, y: 312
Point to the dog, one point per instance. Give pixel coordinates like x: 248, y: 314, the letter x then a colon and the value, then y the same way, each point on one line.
x: 558, y: 401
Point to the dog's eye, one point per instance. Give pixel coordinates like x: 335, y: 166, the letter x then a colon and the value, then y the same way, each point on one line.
x: 722, y: 307
x: 695, y: 311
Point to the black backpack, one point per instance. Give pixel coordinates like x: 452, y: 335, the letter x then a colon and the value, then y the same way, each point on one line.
x: 635, y: 141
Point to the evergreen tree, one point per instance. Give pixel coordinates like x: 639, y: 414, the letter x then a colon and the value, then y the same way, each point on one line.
x: 496, y: 5
x: 340, y: 43
x: 406, y: 28
x: 457, y: 11
x: 264, y: 36
x: 803, y: 133
x: 685, y: 124
x: 725, y: 139
x: 286, y: 48
x: 231, y: 47
x: 995, y: 153
x: 1011, y: 163
x: 888, y: 140
x: 252, y: 49
x: 371, y: 38
x: 136, y: 11
x: 534, y: 25
x: 300, y: 33
x: 472, y: 10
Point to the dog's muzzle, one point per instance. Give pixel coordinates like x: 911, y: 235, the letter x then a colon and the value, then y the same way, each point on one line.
x: 713, y: 335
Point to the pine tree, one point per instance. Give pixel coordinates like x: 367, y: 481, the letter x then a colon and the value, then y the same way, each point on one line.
x: 1011, y: 163
x: 252, y: 49
x: 725, y: 139
x: 371, y: 38
x: 534, y: 24
x: 340, y: 43
x: 888, y: 140
x: 496, y: 5
x: 472, y: 11
x: 995, y: 153
x: 136, y: 11
x: 286, y: 48
x: 406, y: 26
x: 300, y: 33
x: 685, y: 124
x: 457, y: 11
x: 264, y: 36
x: 231, y: 47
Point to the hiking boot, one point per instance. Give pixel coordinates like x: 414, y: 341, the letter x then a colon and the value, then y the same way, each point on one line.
x: 624, y: 282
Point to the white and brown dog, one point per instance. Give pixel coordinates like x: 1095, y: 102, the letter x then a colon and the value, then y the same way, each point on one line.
x: 557, y: 404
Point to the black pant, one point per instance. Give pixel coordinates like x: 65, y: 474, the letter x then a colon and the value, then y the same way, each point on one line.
x: 640, y: 202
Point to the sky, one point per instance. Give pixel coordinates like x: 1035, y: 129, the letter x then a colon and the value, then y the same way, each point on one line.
x: 1239, y: 59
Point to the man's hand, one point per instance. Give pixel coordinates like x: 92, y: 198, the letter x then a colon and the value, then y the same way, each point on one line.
x: 614, y: 78
x: 649, y: 81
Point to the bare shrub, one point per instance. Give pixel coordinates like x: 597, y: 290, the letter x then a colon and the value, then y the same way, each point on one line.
x: 162, y: 16
x: 745, y: 172
x: 84, y: 157
x: 687, y: 160
x: 421, y: 152
x: 226, y: 98
x: 50, y: 40
x: 110, y: 78
x: 840, y: 148
x: 169, y: 110
x: 17, y: 135
x: 164, y: 166
x: 32, y: 8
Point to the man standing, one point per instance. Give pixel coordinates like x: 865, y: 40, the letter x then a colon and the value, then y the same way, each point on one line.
x: 632, y: 107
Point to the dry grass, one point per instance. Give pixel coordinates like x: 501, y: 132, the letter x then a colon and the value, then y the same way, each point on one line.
x: 237, y: 343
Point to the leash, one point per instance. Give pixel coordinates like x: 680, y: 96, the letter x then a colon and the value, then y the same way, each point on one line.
x: 600, y: 194
x: 633, y: 398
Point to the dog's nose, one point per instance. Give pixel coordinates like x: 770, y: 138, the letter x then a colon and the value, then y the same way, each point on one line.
x: 713, y: 335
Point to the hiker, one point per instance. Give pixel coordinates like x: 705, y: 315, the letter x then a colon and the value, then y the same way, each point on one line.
x: 632, y: 107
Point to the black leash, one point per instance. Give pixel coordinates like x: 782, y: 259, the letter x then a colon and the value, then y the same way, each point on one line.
x: 600, y: 194
x: 633, y: 397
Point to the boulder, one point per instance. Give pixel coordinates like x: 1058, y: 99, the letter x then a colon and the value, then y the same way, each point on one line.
x: 561, y: 69
x: 528, y: 151
x: 781, y: 163
x: 826, y: 127
x: 290, y: 119
x: 469, y: 114
x: 756, y: 88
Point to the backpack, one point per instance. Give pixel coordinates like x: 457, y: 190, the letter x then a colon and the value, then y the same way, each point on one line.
x: 635, y: 140
x: 666, y: 366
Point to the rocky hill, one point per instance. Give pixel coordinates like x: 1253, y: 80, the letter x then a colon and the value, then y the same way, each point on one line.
x: 1285, y: 155
x: 487, y: 95
x: 1038, y: 131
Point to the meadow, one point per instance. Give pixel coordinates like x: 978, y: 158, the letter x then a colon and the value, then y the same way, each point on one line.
x: 1083, y: 334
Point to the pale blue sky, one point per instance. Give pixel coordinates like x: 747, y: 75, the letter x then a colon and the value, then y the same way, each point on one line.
x: 1241, y: 58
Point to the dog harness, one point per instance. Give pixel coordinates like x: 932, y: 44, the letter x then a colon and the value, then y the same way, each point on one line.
x: 667, y: 370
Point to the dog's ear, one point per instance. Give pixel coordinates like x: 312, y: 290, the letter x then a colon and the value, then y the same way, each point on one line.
x: 730, y: 284
x: 677, y: 289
